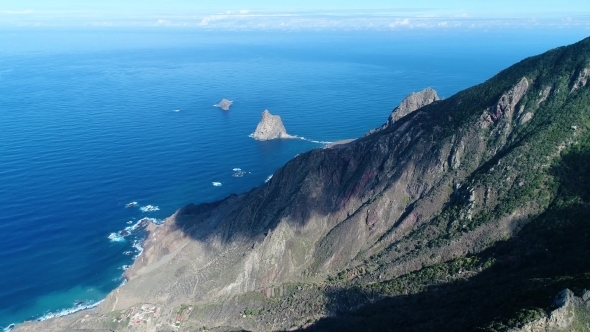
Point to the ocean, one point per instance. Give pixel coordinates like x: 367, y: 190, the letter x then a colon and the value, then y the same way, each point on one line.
x: 92, y: 120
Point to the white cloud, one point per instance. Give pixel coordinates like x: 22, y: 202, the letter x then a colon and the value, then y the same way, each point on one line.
x: 286, y: 20
x: 17, y: 12
x: 400, y: 23
x: 162, y: 22
x: 211, y: 18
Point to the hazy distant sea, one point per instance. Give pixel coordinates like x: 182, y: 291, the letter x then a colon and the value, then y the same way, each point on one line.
x: 93, y: 120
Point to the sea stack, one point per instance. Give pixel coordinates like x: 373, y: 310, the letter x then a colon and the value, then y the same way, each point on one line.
x: 270, y: 127
x: 224, y: 104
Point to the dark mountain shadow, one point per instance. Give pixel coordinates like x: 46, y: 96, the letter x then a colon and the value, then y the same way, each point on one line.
x: 332, y: 182
x: 323, y: 182
x: 550, y: 254
x: 318, y: 183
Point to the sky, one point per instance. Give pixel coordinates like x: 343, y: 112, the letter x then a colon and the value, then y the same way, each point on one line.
x: 294, y: 15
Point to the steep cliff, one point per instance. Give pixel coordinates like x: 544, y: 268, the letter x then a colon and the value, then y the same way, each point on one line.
x: 457, y: 215
x: 412, y: 102
x: 571, y: 313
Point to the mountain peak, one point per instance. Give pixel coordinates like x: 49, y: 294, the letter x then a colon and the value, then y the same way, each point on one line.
x: 413, y: 102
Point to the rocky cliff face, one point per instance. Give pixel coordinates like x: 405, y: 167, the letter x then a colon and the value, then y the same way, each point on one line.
x: 572, y: 313
x: 270, y: 127
x: 412, y: 102
x: 457, y: 201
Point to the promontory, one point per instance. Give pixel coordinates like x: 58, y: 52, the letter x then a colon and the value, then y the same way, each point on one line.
x: 411, y: 103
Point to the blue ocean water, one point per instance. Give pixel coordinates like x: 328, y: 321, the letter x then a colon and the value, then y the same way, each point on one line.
x: 93, y: 120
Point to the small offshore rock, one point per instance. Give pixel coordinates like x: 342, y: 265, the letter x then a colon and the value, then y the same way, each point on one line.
x: 224, y: 104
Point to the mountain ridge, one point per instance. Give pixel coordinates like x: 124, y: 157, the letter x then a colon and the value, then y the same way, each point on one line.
x: 436, y: 196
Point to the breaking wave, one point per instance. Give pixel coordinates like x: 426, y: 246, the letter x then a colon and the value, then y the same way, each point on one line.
x: 301, y: 138
x: 313, y: 141
x: 9, y: 328
x: 140, y: 224
x: 137, y: 245
x: 69, y: 311
x: 130, y: 205
x: 115, y: 237
x: 149, y: 208
x: 216, y: 184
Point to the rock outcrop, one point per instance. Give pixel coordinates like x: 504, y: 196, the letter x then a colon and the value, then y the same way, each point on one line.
x: 224, y: 104
x: 270, y: 127
x: 572, y: 313
x: 411, y: 103
x: 581, y: 80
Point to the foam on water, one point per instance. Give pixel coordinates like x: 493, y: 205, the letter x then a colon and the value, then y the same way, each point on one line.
x: 300, y: 138
x: 69, y: 311
x: 137, y: 244
x: 140, y: 224
x: 115, y: 237
x: 216, y: 184
x: 132, y: 204
x: 158, y: 222
x: 149, y: 208
x: 314, y: 141
x: 268, y: 178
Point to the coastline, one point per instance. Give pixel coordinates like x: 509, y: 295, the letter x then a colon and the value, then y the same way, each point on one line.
x: 139, y: 227
x: 61, y: 313
x: 145, y: 226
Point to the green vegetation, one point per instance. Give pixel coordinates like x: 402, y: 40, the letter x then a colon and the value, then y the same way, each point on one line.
x: 538, y: 173
x: 488, y: 215
x: 440, y: 273
x: 182, y: 309
x: 249, y: 312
